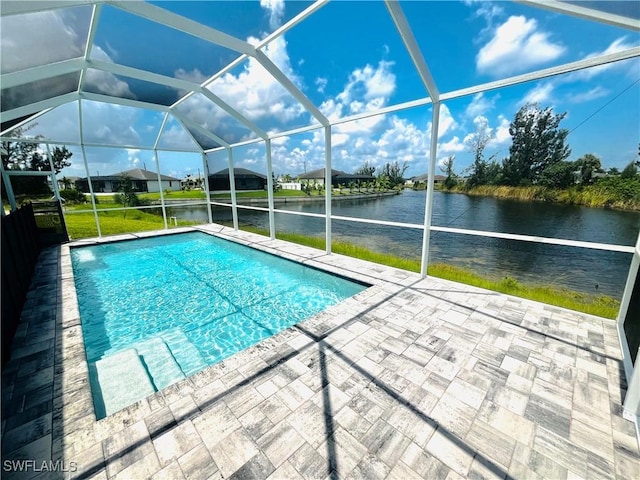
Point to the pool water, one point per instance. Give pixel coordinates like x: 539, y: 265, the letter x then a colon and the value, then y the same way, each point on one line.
x: 156, y: 310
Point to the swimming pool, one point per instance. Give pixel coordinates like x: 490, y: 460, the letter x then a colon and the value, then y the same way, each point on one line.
x: 156, y: 310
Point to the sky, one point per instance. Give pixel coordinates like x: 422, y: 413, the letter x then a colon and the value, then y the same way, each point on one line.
x: 346, y: 58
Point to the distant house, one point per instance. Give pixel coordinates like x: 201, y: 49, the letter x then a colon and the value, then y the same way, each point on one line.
x: 338, y: 177
x: 142, y: 180
x: 245, y: 180
x: 69, y: 182
x: 190, y: 182
x: 424, y: 179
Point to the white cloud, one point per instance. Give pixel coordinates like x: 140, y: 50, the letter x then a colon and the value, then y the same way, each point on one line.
x: 453, y: 145
x: 517, y: 45
x: 280, y: 140
x: 254, y: 93
x: 502, y: 135
x: 177, y: 137
x: 541, y: 93
x: 110, y: 124
x: 373, y: 85
x: 338, y: 139
x: 54, y: 36
x: 106, y: 82
x: 39, y: 38
x: 446, y: 122
x: 321, y: 83
x: 276, y: 12
x: 592, y: 94
x: 487, y: 10
x: 617, y: 45
x: 133, y: 157
x: 195, y: 75
x: 251, y: 90
x: 480, y: 105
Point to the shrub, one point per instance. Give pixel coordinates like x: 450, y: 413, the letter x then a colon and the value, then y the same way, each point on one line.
x: 73, y: 196
x: 128, y: 199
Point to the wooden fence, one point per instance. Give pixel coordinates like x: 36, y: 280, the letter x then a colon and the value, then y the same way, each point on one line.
x: 20, y: 249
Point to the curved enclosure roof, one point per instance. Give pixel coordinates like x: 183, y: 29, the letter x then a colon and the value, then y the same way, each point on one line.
x: 217, y: 74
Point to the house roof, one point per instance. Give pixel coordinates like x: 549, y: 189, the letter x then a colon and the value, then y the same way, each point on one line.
x: 133, y: 174
x: 425, y: 177
x: 319, y: 173
x: 237, y: 172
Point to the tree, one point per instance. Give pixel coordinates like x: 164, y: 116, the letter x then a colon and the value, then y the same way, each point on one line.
x: 589, y: 164
x: 29, y: 156
x: 494, y: 173
x: 559, y: 175
x: 613, y: 171
x: 126, y: 196
x: 447, y: 168
x: 476, y: 143
x: 60, y: 157
x: 630, y: 171
x: 365, y: 169
x: 393, y: 173
x: 538, y: 143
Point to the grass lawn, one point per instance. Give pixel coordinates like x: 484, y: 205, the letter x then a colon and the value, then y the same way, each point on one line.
x: 83, y: 225
x: 600, y: 305
x: 174, y: 195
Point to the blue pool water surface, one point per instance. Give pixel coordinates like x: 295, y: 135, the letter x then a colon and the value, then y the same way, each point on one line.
x: 156, y: 310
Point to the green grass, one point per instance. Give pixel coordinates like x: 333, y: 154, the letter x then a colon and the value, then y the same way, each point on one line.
x: 614, y: 193
x: 83, y: 225
x: 87, y: 206
x: 599, y: 305
x: 174, y: 195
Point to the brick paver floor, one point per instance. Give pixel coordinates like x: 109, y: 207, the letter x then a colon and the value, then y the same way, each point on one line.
x: 411, y: 378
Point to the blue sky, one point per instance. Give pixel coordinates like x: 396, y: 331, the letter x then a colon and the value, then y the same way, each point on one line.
x: 347, y: 58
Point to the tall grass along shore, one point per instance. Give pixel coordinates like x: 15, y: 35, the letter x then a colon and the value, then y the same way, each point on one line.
x: 601, y: 194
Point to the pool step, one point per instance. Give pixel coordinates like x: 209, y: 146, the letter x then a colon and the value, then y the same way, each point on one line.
x: 159, y: 362
x: 120, y: 380
x: 185, y: 352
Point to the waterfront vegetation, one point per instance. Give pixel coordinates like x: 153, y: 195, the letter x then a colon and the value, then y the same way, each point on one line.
x: 600, y: 305
x: 537, y: 167
x: 609, y: 192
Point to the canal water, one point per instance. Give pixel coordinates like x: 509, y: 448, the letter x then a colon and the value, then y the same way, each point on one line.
x: 585, y: 270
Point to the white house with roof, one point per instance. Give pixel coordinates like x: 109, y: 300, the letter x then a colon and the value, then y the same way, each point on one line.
x: 142, y: 180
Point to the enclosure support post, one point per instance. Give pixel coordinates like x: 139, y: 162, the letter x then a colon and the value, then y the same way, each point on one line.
x: 428, y: 210
x: 164, y: 209
x: 328, y: 187
x: 9, y: 189
x: 232, y: 185
x: 86, y: 167
x: 205, y: 169
x: 93, y: 198
x: 624, y: 307
x: 54, y: 184
x: 270, y: 191
x: 54, y: 180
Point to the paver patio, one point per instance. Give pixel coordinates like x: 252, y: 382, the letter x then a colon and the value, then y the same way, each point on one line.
x: 411, y: 378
